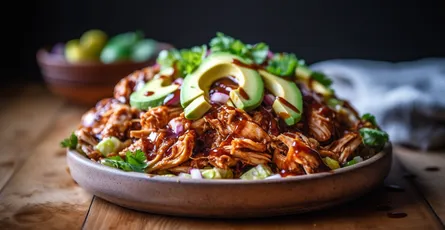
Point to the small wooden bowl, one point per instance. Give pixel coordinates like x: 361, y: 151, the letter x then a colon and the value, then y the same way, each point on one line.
x: 87, y: 82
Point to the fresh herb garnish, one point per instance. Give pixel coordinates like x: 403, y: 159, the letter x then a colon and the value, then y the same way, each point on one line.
x: 373, y: 137
x: 184, y: 60
x: 283, y: 64
x: 369, y: 118
x: 70, y: 142
x: 321, y: 78
x: 133, y: 161
x: 254, y: 53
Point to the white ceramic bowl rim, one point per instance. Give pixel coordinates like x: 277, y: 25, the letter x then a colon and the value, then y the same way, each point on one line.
x: 156, y: 178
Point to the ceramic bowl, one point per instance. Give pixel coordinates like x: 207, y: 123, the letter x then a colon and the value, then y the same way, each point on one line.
x: 85, y: 83
x: 232, y: 198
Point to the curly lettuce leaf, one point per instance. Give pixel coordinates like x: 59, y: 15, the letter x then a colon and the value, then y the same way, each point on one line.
x: 283, y: 64
x: 134, y: 161
x: 254, y: 53
x: 69, y: 142
x: 373, y: 137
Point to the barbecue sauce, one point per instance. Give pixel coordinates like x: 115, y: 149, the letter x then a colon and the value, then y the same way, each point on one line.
x: 287, y: 104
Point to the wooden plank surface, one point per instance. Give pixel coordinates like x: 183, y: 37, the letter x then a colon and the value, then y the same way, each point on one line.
x: 42, y: 195
x: 429, y: 171
x: 23, y: 121
x: 366, y: 213
x: 36, y: 191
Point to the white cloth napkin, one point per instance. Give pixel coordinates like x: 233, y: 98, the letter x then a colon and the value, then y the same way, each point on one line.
x: 407, y: 98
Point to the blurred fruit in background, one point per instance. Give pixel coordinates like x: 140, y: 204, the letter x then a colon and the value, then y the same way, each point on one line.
x: 95, y: 45
x: 86, y: 69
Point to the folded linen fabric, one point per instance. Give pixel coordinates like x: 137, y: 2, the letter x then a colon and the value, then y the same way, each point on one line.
x: 407, y: 98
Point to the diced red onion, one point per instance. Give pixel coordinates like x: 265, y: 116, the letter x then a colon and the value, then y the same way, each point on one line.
x: 178, y: 81
x: 269, y: 54
x: 208, y: 52
x: 176, y: 126
x: 195, y: 173
x: 219, y: 97
x: 88, y: 119
x: 156, y: 65
x: 269, y: 99
x: 152, y: 136
x: 276, y: 176
x: 172, y: 99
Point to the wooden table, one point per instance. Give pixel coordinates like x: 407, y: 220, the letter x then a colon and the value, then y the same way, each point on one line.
x: 37, y: 192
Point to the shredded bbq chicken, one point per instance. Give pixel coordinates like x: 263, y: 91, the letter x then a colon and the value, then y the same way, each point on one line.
x: 134, y: 81
x: 225, y: 137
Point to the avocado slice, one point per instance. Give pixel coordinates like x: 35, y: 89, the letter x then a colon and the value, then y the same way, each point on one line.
x: 289, y: 101
x: 303, y: 74
x: 196, y: 85
x: 153, y: 93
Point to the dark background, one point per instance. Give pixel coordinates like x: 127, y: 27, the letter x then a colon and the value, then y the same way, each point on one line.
x: 314, y: 30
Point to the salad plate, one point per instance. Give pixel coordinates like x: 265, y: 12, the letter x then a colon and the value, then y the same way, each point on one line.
x: 227, y: 129
x: 222, y: 198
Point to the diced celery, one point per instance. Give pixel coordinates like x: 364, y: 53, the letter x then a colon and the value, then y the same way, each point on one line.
x: 168, y: 175
x: 358, y: 159
x: 185, y: 175
x: 351, y: 162
x: 217, y: 173
x: 108, y: 145
x: 331, y: 163
x: 208, y: 174
x: 257, y: 173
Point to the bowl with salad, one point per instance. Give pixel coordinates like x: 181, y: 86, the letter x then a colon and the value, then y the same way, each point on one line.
x: 227, y: 129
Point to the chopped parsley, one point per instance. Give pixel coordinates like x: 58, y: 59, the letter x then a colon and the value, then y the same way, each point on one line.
x: 253, y: 53
x: 134, y: 161
x: 70, y: 142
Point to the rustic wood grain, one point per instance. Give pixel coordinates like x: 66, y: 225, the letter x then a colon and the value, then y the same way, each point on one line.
x: 430, y: 183
x: 42, y: 195
x: 361, y: 214
x: 23, y: 121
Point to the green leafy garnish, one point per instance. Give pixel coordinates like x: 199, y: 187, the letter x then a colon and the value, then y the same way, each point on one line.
x: 185, y: 60
x: 283, y: 64
x: 70, y: 142
x: 254, y: 53
x: 370, y: 118
x: 321, y: 78
x: 135, y: 162
x: 258, y: 52
x: 373, y: 137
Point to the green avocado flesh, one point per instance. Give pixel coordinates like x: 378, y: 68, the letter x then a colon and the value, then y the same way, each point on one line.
x: 289, y: 102
x: 152, y: 94
x: 196, y: 86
